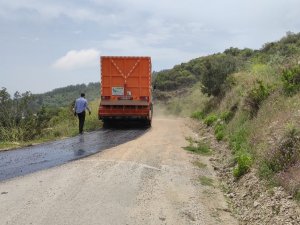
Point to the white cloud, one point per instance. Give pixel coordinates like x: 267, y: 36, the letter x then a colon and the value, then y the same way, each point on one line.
x: 77, y: 59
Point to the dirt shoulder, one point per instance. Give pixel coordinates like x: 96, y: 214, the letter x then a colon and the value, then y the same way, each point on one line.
x: 149, y: 180
x: 253, y: 202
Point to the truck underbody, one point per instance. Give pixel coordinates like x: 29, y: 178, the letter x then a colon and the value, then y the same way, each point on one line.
x: 125, y: 110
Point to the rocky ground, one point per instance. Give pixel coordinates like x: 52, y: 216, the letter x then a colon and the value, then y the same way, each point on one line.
x: 252, y: 202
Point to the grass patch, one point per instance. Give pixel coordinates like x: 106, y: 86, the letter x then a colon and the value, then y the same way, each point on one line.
x: 241, y: 149
x: 7, y: 145
x: 227, y: 116
x: 256, y: 96
x: 206, y: 181
x: 244, y: 162
x: 297, y: 196
x: 219, y: 130
x: 199, y: 115
x: 198, y: 147
x: 210, y: 119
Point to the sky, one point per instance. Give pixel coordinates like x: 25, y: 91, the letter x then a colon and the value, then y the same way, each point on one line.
x: 47, y: 44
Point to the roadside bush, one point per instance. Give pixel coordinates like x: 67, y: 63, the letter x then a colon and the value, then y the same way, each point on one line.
x: 287, y: 153
x: 297, y: 195
x: 210, y: 119
x: 219, y: 131
x: 256, y: 96
x: 291, y: 80
x: 264, y: 171
x: 240, y: 146
x: 218, y: 67
x: 227, y: 116
x: 244, y: 162
x: 199, y: 115
x: 238, y: 139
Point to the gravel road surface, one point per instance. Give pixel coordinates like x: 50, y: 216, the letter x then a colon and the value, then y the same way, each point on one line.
x: 149, y: 179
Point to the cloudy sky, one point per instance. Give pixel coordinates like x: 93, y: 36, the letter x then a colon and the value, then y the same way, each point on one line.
x: 46, y: 44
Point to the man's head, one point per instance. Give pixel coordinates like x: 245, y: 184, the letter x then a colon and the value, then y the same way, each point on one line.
x: 82, y: 95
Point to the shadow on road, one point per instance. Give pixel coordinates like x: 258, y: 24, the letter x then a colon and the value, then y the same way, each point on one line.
x: 126, y: 125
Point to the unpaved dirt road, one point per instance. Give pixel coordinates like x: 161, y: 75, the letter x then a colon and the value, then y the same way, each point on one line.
x: 148, y: 180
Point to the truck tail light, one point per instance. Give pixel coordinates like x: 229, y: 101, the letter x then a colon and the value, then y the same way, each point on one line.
x: 144, y: 98
x: 105, y: 97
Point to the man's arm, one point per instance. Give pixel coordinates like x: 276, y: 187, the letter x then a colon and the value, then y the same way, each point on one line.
x: 87, y: 107
x: 74, y: 109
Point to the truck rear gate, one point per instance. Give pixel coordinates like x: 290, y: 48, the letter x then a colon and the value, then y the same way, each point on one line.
x: 125, y: 88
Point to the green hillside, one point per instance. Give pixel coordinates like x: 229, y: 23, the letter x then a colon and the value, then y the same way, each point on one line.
x: 26, y: 117
x: 251, y: 100
x: 64, y: 96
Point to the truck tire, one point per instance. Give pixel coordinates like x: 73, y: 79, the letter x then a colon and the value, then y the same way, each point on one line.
x: 106, y: 123
x: 150, y: 115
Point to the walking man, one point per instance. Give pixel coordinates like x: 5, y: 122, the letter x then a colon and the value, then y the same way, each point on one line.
x: 81, y: 105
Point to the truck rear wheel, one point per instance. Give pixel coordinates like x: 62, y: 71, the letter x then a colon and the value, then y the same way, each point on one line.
x: 149, y: 119
x: 106, y: 123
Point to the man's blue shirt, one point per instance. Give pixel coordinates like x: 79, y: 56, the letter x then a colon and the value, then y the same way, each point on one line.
x: 81, y: 105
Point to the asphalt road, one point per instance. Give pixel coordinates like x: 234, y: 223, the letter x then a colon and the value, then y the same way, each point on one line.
x: 22, y: 161
x: 143, y: 177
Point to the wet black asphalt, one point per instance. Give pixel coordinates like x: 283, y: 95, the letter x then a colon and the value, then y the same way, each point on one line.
x: 27, y: 160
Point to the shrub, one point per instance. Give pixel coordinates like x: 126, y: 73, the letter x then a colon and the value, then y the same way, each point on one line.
x: 199, y: 115
x: 265, y: 171
x: 297, y: 195
x: 217, y: 68
x: 244, y: 162
x: 256, y: 96
x: 219, y: 131
x: 227, y: 116
x: 291, y: 80
x: 210, y: 119
x: 238, y: 140
x: 240, y: 147
x: 287, y: 153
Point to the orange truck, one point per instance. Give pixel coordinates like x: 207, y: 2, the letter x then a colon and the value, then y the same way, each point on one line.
x: 125, y: 89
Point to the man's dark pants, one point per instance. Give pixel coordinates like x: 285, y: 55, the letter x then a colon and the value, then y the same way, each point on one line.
x: 81, y: 117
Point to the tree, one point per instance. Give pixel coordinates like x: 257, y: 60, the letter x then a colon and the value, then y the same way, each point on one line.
x: 218, y: 67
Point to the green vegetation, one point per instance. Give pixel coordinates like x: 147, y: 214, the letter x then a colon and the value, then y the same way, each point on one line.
x: 219, y: 130
x: 206, y: 181
x: 287, y: 152
x: 248, y: 97
x: 291, y: 80
x: 256, y: 96
x: 210, y: 119
x: 61, y: 97
x: 198, y: 115
x: 22, y: 124
x: 198, y: 147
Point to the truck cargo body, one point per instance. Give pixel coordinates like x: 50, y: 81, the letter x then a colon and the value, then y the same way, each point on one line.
x: 125, y: 88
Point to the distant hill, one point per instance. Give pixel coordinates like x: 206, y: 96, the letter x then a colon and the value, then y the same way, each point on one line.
x: 212, y: 70
x: 64, y: 96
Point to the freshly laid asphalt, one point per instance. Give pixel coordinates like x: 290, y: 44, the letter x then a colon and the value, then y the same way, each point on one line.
x: 27, y: 160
